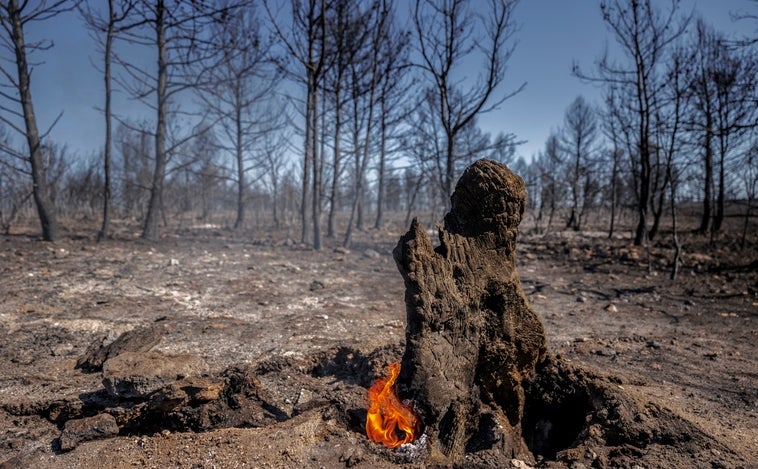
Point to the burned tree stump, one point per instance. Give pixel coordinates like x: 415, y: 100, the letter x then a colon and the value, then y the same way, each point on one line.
x: 472, y: 337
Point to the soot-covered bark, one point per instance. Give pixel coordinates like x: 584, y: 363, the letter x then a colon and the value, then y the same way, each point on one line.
x: 472, y: 338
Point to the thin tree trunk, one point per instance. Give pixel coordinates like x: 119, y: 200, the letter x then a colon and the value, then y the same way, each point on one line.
x: 359, y: 223
x: 336, y: 169
x: 707, y: 189
x: 382, y: 163
x: 356, y: 183
x: 313, y: 70
x: 747, y: 219
x: 308, y: 161
x: 305, y: 228
x: 657, y: 209
x: 449, y: 169
x: 150, y: 230
x: 718, y: 218
x: 41, y: 186
x: 275, y: 201
x: 677, y: 245
x: 614, y: 195
x: 573, y: 221
x: 316, y: 196
x: 552, y: 208
x: 362, y: 160
x: 239, y: 222
x: 107, y: 191
x: 411, y: 200
x: 644, y: 194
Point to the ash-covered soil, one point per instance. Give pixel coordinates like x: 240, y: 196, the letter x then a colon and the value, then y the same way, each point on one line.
x: 306, y: 332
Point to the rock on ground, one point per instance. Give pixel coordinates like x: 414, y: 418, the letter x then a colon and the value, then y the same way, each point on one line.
x: 137, y: 374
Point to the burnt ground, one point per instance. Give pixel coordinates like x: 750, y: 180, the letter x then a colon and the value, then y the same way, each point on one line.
x: 314, y: 329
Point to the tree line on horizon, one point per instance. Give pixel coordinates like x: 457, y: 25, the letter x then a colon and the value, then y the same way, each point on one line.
x: 306, y: 109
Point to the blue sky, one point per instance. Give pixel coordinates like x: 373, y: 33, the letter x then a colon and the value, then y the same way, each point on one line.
x: 553, y: 34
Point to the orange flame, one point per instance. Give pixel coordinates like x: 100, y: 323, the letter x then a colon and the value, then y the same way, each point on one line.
x: 389, y: 421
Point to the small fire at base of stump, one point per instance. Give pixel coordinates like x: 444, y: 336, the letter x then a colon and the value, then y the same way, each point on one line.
x: 472, y: 338
x: 390, y: 421
x: 476, y: 365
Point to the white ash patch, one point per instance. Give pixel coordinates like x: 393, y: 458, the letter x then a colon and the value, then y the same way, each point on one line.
x: 415, y: 451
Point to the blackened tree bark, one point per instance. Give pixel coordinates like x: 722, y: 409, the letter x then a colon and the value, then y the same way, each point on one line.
x: 239, y: 92
x: 734, y: 75
x: 13, y: 18
x: 472, y: 337
x: 180, y: 35
x: 703, y: 102
x: 342, y: 36
x: 366, y: 78
x: 150, y: 228
x: 449, y: 34
x: 382, y: 170
x: 611, y: 130
x: 578, y: 140
x: 118, y: 11
x: 644, y: 35
x: 107, y: 191
x: 393, y: 90
x: 306, y: 44
x: 551, y: 183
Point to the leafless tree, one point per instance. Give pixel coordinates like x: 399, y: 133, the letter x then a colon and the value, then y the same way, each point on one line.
x: 393, y: 89
x: 15, y: 192
x: 450, y: 34
x: 305, y: 43
x: 133, y: 142
x: 735, y: 76
x: 723, y: 95
x: 199, y: 175
x: 366, y: 75
x: 180, y: 35
x: 426, y: 151
x: 273, y: 149
x: 611, y: 130
x: 114, y: 22
x: 81, y: 189
x: 346, y: 35
x: 15, y: 184
x: 644, y: 35
x: 750, y: 181
x: 701, y: 120
x: 578, y: 140
x: 669, y: 145
x: 19, y: 114
x: 240, y: 87
x: 552, y: 185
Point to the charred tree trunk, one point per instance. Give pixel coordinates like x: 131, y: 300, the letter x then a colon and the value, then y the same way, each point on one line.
x: 472, y: 337
x: 239, y: 157
x: 107, y: 189
x: 380, y: 190
x: 40, y: 184
x: 718, y: 218
x: 150, y: 228
x: 705, y: 219
x: 336, y: 168
x: 315, y: 160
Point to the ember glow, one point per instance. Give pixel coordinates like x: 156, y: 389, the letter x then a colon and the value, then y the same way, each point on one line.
x: 389, y: 421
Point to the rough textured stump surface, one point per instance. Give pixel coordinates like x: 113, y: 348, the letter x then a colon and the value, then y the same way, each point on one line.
x: 472, y: 338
